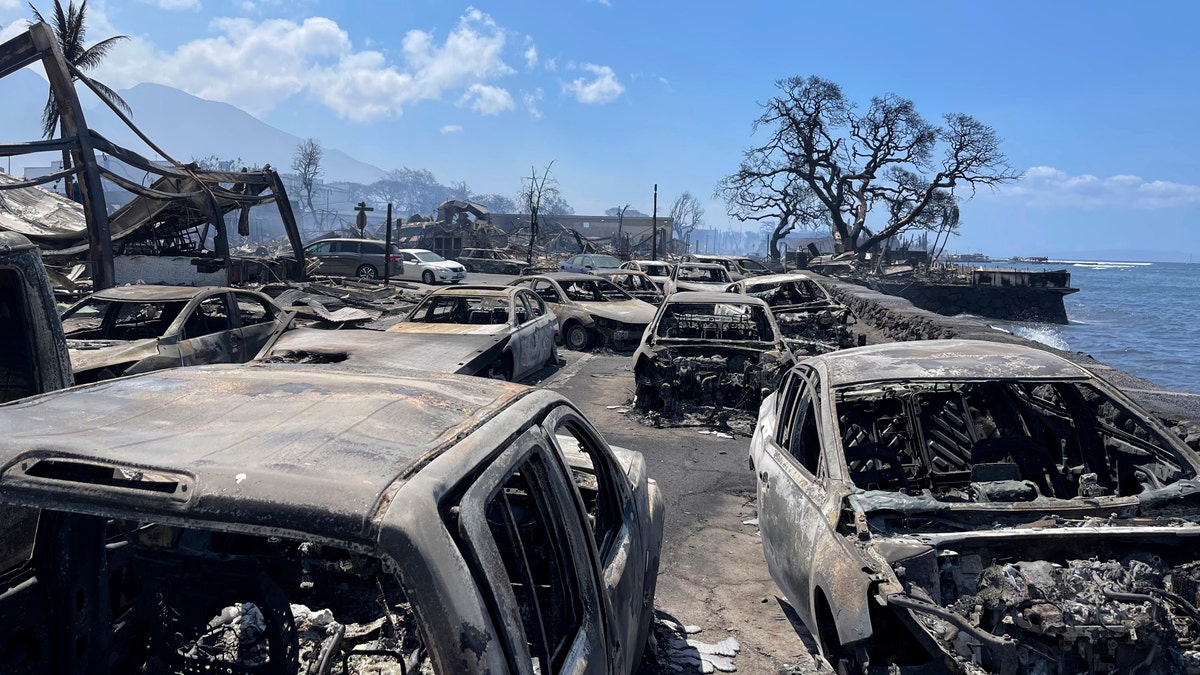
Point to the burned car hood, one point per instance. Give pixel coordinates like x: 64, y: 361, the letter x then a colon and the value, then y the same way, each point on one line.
x: 449, y: 328
x: 92, y: 354
x: 625, y: 311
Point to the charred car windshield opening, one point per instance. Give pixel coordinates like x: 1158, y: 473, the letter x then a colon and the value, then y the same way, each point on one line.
x: 790, y: 293
x: 594, y: 291
x: 110, y: 320
x: 470, y: 309
x: 1001, y: 441
x: 715, y: 321
x: 703, y: 274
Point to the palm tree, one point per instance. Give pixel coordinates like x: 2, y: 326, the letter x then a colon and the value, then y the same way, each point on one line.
x: 70, y: 29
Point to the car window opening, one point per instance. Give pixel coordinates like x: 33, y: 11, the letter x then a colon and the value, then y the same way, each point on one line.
x: 715, y: 321
x: 482, y: 310
x: 532, y: 542
x: 1001, y: 442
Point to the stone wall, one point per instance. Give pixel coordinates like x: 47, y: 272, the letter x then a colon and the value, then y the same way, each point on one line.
x: 898, y: 320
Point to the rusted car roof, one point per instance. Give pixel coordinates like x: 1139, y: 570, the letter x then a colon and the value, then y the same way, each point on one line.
x: 390, y: 351
x: 260, y: 445
x: 944, y: 360
x: 154, y: 292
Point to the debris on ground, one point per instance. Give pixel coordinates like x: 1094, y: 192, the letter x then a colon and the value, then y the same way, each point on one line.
x: 676, y: 651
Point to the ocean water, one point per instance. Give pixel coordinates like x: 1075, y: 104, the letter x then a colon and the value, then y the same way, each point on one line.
x: 1142, y: 318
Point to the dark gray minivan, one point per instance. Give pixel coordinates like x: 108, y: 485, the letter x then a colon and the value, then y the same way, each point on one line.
x: 362, y: 258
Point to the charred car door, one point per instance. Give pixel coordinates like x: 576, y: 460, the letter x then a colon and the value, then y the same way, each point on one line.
x: 529, y: 546
x: 616, y: 521
x: 792, y: 491
x: 209, y: 334
x: 260, y: 321
x: 536, y: 325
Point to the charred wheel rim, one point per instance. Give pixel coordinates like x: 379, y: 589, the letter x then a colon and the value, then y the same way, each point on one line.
x: 576, y: 337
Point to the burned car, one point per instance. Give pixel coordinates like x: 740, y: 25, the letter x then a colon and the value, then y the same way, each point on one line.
x: 812, y: 322
x: 301, y: 519
x: 968, y: 506
x: 139, y: 328
x: 506, y: 330
x: 491, y: 261
x: 657, y: 270
x: 591, y: 310
x: 739, y: 267
x: 637, y: 284
x: 33, y: 354
x: 695, y: 276
x: 712, y: 349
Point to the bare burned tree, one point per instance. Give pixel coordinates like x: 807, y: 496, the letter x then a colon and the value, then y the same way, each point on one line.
x: 763, y: 193
x: 307, y: 164
x: 537, y: 191
x: 687, y: 214
x: 886, y: 162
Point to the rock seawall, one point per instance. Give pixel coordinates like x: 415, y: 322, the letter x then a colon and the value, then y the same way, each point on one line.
x: 900, y: 321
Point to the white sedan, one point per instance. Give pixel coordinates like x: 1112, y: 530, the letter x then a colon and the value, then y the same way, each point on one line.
x: 428, y: 267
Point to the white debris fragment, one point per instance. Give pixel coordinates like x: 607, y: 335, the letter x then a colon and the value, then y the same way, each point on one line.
x: 686, y: 654
x: 752, y: 521
x: 239, y: 478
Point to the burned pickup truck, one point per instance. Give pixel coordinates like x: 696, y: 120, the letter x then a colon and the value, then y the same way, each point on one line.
x: 812, y: 322
x: 33, y: 353
x: 305, y: 519
x: 971, y: 507
x: 709, y: 349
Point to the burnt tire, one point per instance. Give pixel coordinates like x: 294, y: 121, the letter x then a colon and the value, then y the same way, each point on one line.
x: 503, y: 369
x: 576, y: 336
x: 427, y: 277
x: 366, y: 272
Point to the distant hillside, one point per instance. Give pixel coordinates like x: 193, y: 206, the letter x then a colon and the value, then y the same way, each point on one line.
x: 183, y: 125
x: 187, y: 126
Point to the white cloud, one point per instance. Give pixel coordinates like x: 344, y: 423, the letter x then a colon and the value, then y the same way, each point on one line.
x: 487, y: 100
x: 552, y: 64
x: 603, y: 88
x: 532, y: 99
x: 606, y: 3
x: 1047, y: 187
x: 174, y: 4
x: 451, y: 129
x: 257, y: 64
x: 531, y: 56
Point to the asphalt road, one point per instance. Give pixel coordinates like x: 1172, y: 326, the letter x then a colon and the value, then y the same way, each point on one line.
x: 713, y: 575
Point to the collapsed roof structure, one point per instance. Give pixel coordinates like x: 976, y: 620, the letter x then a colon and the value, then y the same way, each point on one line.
x: 173, y: 216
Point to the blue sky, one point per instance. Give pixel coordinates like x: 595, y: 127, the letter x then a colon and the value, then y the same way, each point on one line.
x: 1096, y: 101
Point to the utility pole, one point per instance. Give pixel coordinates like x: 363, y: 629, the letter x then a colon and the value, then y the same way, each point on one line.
x: 387, y: 249
x: 654, y: 226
